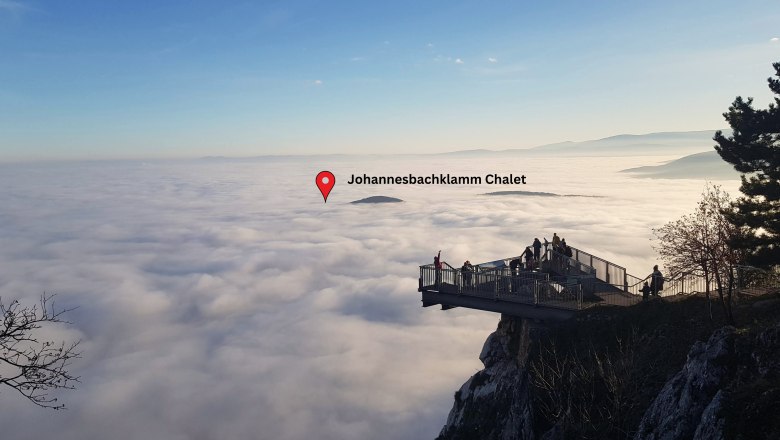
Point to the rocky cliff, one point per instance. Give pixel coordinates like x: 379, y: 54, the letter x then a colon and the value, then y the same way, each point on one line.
x: 726, y: 387
x: 495, y: 403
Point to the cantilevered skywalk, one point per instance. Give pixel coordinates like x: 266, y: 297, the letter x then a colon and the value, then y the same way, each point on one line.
x: 557, y: 288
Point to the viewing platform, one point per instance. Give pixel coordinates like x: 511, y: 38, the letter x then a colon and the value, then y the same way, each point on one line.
x: 555, y: 289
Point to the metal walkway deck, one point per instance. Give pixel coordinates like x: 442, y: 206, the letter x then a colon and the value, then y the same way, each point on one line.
x: 557, y: 289
x: 561, y: 286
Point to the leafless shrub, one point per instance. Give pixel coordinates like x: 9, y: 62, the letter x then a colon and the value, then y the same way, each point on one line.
x: 31, y: 366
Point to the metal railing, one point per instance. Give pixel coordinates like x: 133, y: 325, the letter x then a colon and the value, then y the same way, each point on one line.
x: 613, y: 295
x: 605, y: 271
x: 684, y: 283
x: 501, y: 283
x: 559, y: 263
x: 633, y: 284
x: 615, y: 275
x: 579, y: 285
x: 754, y: 281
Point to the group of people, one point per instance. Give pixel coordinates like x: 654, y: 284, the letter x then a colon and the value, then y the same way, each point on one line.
x: 467, y: 270
x: 655, y: 286
x: 559, y: 245
x: 533, y: 253
x: 560, y: 249
x: 532, y: 258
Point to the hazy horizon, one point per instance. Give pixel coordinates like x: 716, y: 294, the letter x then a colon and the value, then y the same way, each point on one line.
x: 698, y: 144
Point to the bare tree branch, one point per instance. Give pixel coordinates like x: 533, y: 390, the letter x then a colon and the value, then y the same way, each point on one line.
x: 702, y: 243
x: 32, y: 367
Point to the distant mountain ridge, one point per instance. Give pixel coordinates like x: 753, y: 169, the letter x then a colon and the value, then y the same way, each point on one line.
x: 629, y: 144
x: 666, y: 143
x: 706, y: 165
x: 650, y: 144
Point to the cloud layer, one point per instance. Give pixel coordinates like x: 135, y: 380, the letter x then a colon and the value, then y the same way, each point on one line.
x: 225, y: 300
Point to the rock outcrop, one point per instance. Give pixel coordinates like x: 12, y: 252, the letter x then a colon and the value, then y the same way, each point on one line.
x: 727, y: 388
x: 378, y: 199
x: 495, y: 403
x: 716, y: 392
x: 691, y: 401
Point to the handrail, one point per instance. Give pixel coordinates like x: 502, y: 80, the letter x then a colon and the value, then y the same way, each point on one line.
x: 681, y: 283
x: 754, y: 280
x: 569, y: 262
x: 668, y: 279
x: 480, y: 265
x: 538, y: 288
x: 526, y: 287
x: 603, y: 270
x: 577, y: 251
x: 642, y: 280
x: 620, y: 277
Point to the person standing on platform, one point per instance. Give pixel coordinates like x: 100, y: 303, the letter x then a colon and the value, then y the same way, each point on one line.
x: 466, y: 271
x: 514, y: 265
x: 437, y: 268
x: 566, y: 249
x: 645, y: 291
x: 537, y: 249
x: 656, y: 281
x: 529, y: 258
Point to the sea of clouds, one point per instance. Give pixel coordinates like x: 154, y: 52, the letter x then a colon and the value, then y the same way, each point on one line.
x: 223, y: 299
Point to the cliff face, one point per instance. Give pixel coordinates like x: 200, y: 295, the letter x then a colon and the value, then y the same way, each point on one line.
x: 495, y: 403
x: 690, y: 405
x: 726, y: 388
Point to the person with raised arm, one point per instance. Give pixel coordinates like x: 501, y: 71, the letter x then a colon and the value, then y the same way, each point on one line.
x: 437, y: 265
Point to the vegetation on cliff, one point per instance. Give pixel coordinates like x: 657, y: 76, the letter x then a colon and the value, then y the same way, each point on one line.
x: 753, y: 149
x: 661, y: 369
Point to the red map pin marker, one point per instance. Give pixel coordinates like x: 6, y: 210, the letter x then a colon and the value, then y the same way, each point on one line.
x: 325, y: 181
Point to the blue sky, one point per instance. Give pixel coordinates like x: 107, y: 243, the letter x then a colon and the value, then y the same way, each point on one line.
x: 109, y: 79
